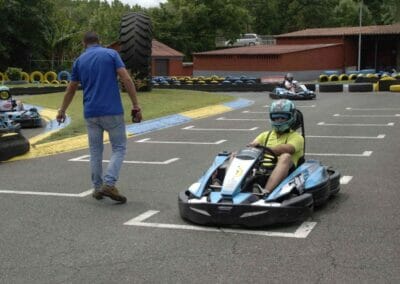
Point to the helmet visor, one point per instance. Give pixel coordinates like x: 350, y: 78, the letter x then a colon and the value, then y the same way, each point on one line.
x: 280, y: 115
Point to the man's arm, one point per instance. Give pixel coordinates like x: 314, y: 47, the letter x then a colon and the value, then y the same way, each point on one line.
x: 68, y: 96
x: 283, y: 148
x: 129, y: 86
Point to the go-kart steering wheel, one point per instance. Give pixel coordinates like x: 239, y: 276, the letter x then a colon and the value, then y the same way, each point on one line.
x: 269, y: 156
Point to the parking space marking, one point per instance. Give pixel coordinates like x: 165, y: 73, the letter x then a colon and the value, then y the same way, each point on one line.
x: 354, y: 124
x: 367, y: 115
x: 380, y: 136
x: 240, y: 119
x: 85, y: 158
x: 41, y: 193
x: 364, y: 154
x: 301, y: 232
x: 345, y: 179
x: 368, y: 109
x: 147, y: 140
x: 193, y: 128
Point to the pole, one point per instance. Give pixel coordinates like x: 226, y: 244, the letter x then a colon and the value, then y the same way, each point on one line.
x: 359, y: 38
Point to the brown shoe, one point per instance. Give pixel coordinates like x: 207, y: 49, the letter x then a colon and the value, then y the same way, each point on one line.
x: 97, y: 194
x: 112, y: 192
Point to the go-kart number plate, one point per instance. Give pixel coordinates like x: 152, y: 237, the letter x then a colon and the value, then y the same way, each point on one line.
x: 235, y: 174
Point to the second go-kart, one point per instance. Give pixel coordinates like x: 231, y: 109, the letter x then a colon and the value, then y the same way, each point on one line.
x: 12, y: 110
x: 301, y: 93
x: 239, y: 200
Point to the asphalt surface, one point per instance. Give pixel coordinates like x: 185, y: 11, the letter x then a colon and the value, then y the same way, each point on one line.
x: 73, y: 238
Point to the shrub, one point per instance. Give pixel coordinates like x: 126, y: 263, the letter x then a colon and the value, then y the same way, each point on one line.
x: 14, y: 74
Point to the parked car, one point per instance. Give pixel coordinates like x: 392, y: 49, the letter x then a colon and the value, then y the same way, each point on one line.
x: 245, y: 40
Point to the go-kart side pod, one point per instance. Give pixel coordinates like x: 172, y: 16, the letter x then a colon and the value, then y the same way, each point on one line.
x: 257, y: 214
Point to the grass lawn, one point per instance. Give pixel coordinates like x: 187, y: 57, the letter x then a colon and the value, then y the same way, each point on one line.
x: 154, y: 104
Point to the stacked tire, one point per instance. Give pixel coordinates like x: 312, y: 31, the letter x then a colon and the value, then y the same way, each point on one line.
x: 12, y: 145
x: 136, y: 43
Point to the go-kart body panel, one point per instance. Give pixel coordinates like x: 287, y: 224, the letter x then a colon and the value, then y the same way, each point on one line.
x: 27, y: 118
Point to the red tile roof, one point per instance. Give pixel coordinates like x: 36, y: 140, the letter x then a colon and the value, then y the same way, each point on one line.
x: 265, y: 49
x: 162, y: 50
x: 340, y: 31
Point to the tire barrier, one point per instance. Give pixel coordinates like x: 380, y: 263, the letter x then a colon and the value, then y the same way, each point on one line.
x: 25, y: 77
x: 361, y: 87
x: 372, y: 76
x: 330, y: 88
x: 394, y: 88
x: 13, y: 145
x: 343, y: 77
x: 55, y: 82
x: 3, y: 77
x: 333, y: 78
x: 310, y: 87
x: 45, y: 82
x: 353, y: 77
x: 36, y: 76
x: 50, y: 76
x: 64, y: 75
x: 64, y: 82
x: 323, y: 78
x: 385, y: 83
x: 136, y: 44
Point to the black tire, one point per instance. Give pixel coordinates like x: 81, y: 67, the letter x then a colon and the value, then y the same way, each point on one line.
x: 136, y: 43
x: 361, y: 87
x: 330, y: 88
x: 13, y: 145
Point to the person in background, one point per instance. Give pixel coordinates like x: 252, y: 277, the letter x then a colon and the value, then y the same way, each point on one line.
x: 97, y: 70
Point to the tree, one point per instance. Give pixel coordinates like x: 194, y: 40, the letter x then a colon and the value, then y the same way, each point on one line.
x: 347, y: 14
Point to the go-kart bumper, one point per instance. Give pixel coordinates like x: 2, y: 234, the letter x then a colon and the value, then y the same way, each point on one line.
x: 247, y: 215
x: 293, y: 96
x: 30, y: 122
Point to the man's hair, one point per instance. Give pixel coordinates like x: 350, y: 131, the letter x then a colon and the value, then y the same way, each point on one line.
x: 90, y: 38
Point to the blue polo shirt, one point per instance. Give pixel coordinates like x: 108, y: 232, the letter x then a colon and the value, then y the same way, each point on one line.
x: 96, y: 69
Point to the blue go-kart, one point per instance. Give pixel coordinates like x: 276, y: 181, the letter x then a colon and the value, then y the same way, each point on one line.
x: 238, y: 199
x: 301, y: 93
x: 11, y: 110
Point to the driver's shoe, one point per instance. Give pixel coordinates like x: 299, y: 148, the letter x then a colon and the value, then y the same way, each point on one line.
x: 112, y: 192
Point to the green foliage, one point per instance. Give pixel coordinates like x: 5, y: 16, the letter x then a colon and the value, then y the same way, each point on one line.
x: 52, y: 29
x: 14, y: 73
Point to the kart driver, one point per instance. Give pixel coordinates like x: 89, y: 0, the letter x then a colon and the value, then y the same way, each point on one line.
x: 289, y: 83
x: 7, y: 103
x: 286, y: 143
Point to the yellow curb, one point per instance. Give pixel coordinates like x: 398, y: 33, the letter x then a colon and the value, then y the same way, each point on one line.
x: 206, y: 111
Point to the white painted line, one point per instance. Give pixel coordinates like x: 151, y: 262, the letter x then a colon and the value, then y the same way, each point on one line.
x: 345, y: 179
x: 41, y: 193
x: 147, y: 140
x: 85, y: 158
x: 366, y: 115
x: 241, y: 119
x: 364, y: 154
x: 354, y: 124
x: 302, y: 231
x: 192, y: 128
x: 368, y: 109
x: 79, y: 158
x: 297, y: 105
x: 380, y: 136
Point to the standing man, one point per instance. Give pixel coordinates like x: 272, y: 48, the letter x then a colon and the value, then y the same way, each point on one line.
x: 97, y: 69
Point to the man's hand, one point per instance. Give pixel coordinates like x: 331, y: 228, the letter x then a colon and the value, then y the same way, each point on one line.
x: 136, y: 114
x: 60, y: 116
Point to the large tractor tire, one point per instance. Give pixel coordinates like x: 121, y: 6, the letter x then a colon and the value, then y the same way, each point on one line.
x: 135, y: 42
x: 12, y: 145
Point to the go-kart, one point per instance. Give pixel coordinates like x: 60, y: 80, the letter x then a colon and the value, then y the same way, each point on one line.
x: 11, y: 110
x: 239, y: 200
x: 301, y: 93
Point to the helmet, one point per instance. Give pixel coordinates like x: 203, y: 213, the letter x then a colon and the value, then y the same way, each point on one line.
x: 289, y: 77
x: 282, y: 109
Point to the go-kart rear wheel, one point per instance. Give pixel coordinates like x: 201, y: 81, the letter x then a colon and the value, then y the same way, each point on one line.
x: 12, y: 145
